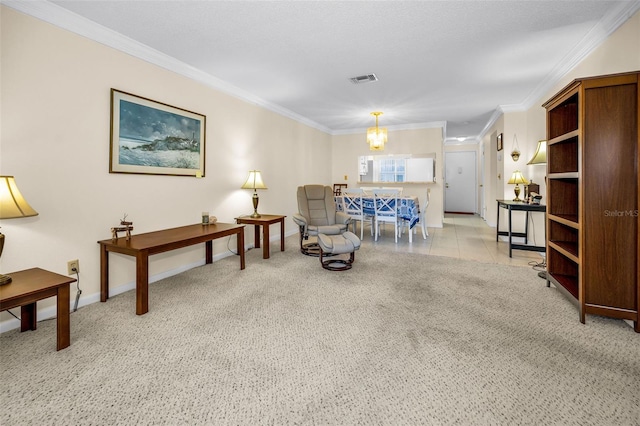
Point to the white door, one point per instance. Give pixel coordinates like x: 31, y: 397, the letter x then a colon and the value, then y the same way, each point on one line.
x: 460, y: 182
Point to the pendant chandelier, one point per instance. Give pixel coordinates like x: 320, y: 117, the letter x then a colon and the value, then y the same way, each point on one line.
x: 376, y: 137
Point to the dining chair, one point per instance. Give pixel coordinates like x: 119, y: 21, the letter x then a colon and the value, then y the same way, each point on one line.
x: 423, y: 215
x: 353, y: 206
x: 368, y: 190
x: 399, y: 189
x: 385, y: 204
x: 338, y: 188
x: 423, y: 218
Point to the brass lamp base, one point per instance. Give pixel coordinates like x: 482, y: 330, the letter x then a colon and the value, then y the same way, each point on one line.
x: 516, y: 190
x: 4, y: 279
x: 255, y: 204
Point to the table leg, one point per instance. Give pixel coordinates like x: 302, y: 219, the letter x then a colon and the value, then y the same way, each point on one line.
x: 256, y: 236
x: 208, y: 248
x: 265, y: 242
x: 526, y: 227
x: 510, y: 236
x: 63, y: 321
x: 142, y: 283
x: 282, y: 235
x: 104, y: 274
x: 498, y: 224
x: 28, y: 317
x: 240, y: 241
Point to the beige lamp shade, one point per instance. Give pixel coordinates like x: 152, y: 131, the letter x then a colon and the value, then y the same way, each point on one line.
x: 12, y: 203
x: 254, y: 181
x: 517, y: 178
x: 540, y: 157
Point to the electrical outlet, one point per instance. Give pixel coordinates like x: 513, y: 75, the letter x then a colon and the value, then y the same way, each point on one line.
x: 73, y: 267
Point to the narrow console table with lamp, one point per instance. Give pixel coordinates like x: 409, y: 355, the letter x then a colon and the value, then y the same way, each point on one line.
x: 518, y: 206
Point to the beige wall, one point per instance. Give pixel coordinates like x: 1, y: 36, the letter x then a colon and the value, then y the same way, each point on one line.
x: 55, y: 139
x: 618, y: 53
x: 347, y: 149
x: 55, y: 106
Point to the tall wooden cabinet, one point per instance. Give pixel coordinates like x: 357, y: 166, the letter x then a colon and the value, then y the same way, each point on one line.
x: 593, y: 249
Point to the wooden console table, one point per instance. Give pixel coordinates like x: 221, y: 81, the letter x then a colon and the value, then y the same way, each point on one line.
x: 519, y: 206
x: 142, y: 246
x: 31, y: 285
x: 265, y: 220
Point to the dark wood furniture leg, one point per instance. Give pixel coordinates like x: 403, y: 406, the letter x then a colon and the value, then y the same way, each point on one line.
x: 498, y: 223
x: 104, y: 273
x: 510, y: 234
x: 63, y: 320
x: 208, y: 251
x: 28, y: 317
x: 265, y: 238
x: 142, y: 283
x: 282, y: 234
x: 240, y: 248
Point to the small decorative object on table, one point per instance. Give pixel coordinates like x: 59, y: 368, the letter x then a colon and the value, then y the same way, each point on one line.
x: 125, y: 227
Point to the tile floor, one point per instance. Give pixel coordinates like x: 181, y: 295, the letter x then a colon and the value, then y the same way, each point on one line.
x: 462, y: 236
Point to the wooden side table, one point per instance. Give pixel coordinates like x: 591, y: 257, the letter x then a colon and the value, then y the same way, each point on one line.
x: 31, y: 285
x: 264, y: 220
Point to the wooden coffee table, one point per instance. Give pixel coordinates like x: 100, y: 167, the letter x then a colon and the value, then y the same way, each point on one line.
x: 141, y: 246
x: 31, y: 285
x: 264, y: 220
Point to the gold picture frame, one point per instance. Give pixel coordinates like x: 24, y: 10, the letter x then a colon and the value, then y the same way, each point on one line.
x: 150, y: 137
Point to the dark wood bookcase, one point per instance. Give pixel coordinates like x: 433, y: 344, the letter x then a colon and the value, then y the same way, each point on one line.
x: 593, y: 249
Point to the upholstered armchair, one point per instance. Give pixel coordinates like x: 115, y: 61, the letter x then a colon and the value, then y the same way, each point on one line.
x: 317, y: 215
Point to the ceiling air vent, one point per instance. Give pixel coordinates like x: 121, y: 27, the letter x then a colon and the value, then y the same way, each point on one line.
x: 364, y: 78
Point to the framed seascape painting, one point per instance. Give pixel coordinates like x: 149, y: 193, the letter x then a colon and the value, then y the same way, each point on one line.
x: 149, y: 137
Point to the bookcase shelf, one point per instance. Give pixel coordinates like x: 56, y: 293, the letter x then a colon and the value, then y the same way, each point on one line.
x: 592, y: 185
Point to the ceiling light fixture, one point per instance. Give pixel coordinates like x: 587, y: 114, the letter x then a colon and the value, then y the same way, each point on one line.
x: 376, y: 136
x: 515, y: 150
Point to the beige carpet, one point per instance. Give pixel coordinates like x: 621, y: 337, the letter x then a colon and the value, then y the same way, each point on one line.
x: 401, y: 339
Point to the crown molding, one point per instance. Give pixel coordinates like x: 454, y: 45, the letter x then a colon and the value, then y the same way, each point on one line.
x: 63, y: 18
x: 84, y: 27
x: 594, y: 38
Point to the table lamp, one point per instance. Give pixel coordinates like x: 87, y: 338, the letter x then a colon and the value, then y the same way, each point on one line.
x: 254, y: 181
x: 12, y: 205
x: 517, y: 178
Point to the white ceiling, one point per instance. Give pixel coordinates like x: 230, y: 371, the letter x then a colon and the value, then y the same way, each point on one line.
x: 460, y: 63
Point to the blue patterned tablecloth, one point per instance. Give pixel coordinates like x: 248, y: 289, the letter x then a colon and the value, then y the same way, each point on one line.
x: 408, y: 208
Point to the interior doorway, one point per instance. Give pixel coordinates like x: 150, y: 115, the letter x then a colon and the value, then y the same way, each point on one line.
x: 460, y: 194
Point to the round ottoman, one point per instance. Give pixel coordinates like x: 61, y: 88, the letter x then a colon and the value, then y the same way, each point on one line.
x: 346, y: 243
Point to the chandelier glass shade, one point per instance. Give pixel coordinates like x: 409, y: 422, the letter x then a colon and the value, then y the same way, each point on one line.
x: 376, y: 136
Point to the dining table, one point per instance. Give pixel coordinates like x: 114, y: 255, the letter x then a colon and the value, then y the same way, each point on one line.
x: 408, y: 208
